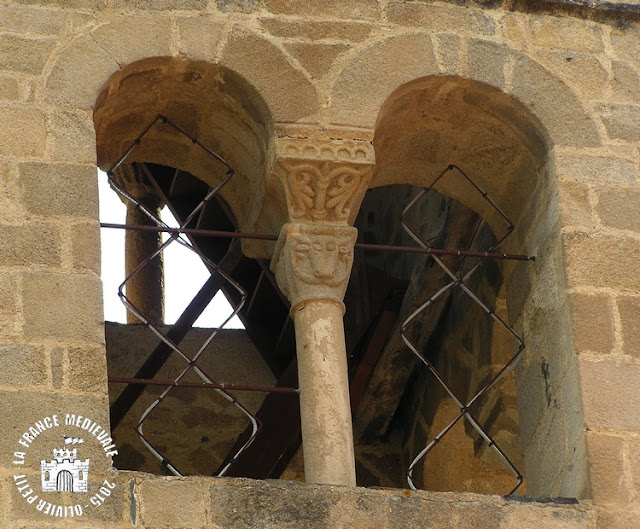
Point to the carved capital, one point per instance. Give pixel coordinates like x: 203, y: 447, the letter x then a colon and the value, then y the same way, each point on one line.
x: 313, y: 262
x: 132, y: 179
x: 324, y: 179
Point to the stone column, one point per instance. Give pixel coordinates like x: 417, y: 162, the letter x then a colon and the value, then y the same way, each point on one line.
x: 312, y: 264
x: 145, y: 290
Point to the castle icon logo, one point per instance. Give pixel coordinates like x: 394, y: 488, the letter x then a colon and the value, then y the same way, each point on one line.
x: 65, y: 472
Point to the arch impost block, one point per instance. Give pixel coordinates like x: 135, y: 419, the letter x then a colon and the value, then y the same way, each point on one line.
x: 312, y: 262
x: 324, y: 177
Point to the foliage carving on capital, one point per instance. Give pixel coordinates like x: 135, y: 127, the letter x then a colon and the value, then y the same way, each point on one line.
x: 322, y: 191
x: 313, y: 262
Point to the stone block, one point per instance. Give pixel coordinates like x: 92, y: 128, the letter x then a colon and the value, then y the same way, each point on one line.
x: 23, y: 133
x: 312, y: 30
x: 85, y: 247
x: 553, y: 102
x: 538, y: 516
x: 626, y: 44
x: 367, y: 80
x: 440, y: 19
x: 148, y: 35
x: 59, y: 189
x: 161, y: 5
x: 595, y: 168
x: 199, y: 37
x: 8, y: 291
x: 618, y: 519
x: 30, y: 405
x: 287, y: 91
x: 170, y: 502
x: 606, y: 466
x: 448, y: 47
x: 22, y: 365
x: 356, y: 9
x: 237, y: 6
x: 317, y: 59
x: 621, y: 121
x: 589, y: 255
x: 618, y: 208
x: 72, y: 137
x: 588, y: 309
x: 582, y: 71
x: 87, y: 369
x: 31, y: 244
x: 483, y: 515
x: 610, y: 394
x: 531, y: 402
x: 567, y: 34
x: 9, y: 88
x: 625, y: 83
x: 487, y: 61
x: 629, y: 310
x: 78, y: 73
x: 78, y: 319
x: 575, y: 208
x: 24, y: 55
x: 57, y: 367
x: 41, y: 19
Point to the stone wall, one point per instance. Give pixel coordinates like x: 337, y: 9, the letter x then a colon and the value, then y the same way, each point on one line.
x: 573, y: 73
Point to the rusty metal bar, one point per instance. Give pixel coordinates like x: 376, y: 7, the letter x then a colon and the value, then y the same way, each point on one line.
x: 361, y: 246
x: 201, y: 385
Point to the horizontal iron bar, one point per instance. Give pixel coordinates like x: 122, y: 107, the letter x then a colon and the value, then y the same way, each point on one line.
x: 201, y: 385
x: 360, y: 246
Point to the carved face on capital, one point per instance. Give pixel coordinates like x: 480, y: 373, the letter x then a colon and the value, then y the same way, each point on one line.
x: 322, y: 259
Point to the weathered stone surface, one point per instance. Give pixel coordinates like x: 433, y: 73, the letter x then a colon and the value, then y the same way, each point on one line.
x: 59, y: 189
x: 588, y: 309
x: 72, y: 137
x: 24, y: 55
x: 588, y: 254
x: 487, y: 61
x: 567, y: 34
x: 8, y: 291
x: 87, y: 369
x: 607, y: 469
x: 240, y: 6
x: 9, y: 88
x: 575, y: 208
x: 621, y: 121
x: 440, y: 19
x: 625, y: 83
x: 534, y: 517
x: 448, y: 47
x: 618, y: 207
x: 23, y: 133
x: 78, y: 319
x: 186, y: 507
x: 85, y: 249
x: 286, y: 90
x: 357, y: 9
x: 317, y: 30
x: 626, y: 44
x: 581, y: 70
x: 611, y: 519
x: 41, y: 19
x: 199, y: 37
x: 595, y: 168
x: 30, y: 244
x: 78, y: 73
x: 316, y: 58
x: 147, y: 36
x: 554, y: 103
x: 22, y: 365
x: 367, y: 80
x: 629, y: 309
x: 160, y: 5
x: 606, y: 385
